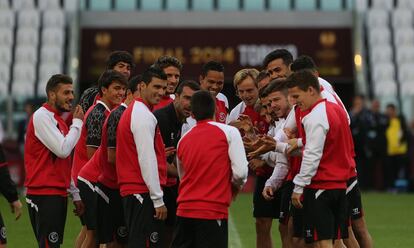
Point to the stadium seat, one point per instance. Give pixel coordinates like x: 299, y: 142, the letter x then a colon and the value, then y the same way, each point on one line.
x: 27, y: 36
x: 151, y: 5
x: 405, y: 54
x: 360, y: 5
x: 6, y: 37
x: 254, y: 5
x: 26, y: 53
x: 100, y: 5
x: 402, y: 18
x: 379, y: 36
x: 24, y: 71
x: 5, y: 55
x: 279, y: 5
x: 4, y: 79
x: 130, y: 4
x: 23, y: 4
x: 53, y: 36
x: 71, y: 5
x: 380, y: 53
x: 406, y: 73
x: 331, y: 5
x: 383, y: 4
x: 28, y: 18
x: 4, y: 4
x: 229, y: 5
x: 7, y: 18
x: 177, y: 5
x: 49, y: 4
x: 385, y: 88
x: 405, y: 4
x: 53, y: 18
x: 383, y: 72
x: 403, y: 36
x: 202, y: 5
x: 46, y: 70
x: 50, y: 54
x: 377, y: 18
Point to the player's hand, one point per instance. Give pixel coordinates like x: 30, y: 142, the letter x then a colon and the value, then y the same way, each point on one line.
x: 169, y: 151
x: 16, y: 209
x: 266, y: 143
x: 293, y: 145
x: 268, y: 193
x: 79, y: 208
x: 235, y: 190
x: 250, y: 144
x: 289, y: 133
x: 296, y: 200
x: 255, y: 163
x: 78, y: 113
x: 160, y: 213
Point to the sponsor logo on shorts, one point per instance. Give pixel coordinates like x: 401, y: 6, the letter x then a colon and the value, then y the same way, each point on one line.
x: 308, y: 233
x: 154, y: 237
x: 53, y: 237
x: 3, y: 232
x: 356, y: 211
x: 122, y: 231
x: 281, y: 215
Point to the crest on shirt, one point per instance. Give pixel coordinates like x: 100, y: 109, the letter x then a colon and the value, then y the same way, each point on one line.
x: 122, y: 231
x: 222, y: 117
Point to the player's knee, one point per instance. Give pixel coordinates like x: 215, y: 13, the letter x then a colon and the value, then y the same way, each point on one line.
x: 263, y: 225
x: 283, y: 229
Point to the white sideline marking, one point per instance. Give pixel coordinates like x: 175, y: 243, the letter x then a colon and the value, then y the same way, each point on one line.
x: 234, y: 237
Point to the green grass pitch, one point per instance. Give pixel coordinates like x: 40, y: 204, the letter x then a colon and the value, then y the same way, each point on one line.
x: 390, y: 221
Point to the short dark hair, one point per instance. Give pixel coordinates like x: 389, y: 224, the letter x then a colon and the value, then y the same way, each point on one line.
x: 110, y: 76
x: 211, y: 66
x: 153, y: 71
x: 263, y: 92
x: 391, y: 105
x: 262, y: 75
x: 57, y: 79
x: 283, y: 54
x: 303, y: 62
x: 279, y: 84
x: 167, y: 61
x: 88, y: 98
x: 187, y: 83
x: 119, y: 56
x: 202, y: 105
x: 134, y: 82
x: 303, y: 79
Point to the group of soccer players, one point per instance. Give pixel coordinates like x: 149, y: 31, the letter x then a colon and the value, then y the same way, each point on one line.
x: 157, y: 159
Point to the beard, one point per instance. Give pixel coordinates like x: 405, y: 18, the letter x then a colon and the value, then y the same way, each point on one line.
x: 60, y: 107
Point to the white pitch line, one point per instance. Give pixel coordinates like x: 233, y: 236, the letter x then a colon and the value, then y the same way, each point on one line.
x: 234, y: 236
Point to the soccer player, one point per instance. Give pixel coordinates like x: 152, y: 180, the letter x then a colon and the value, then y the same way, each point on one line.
x: 122, y: 62
x: 170, y: 120
x: 172, y: 68
x: 326, y: 163
x: 8, y: 189
x: 212, y: 80
x: 141, y: 164
x: 212, y: 167
x: 111, y: 227
x: 48, y: 146
x: 277, y: 63
x: 263, y: 211
x: 111, y: 87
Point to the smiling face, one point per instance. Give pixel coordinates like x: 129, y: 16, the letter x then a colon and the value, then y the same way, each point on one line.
x: 247, y: 91
x: 304, y: 98
x: 62, y: 97
x: 152, y: 92
x: 277, y: 69
x: 114, y: 94
x: 279, y: 104
x: 212, y: 82
x: 173, y: 77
